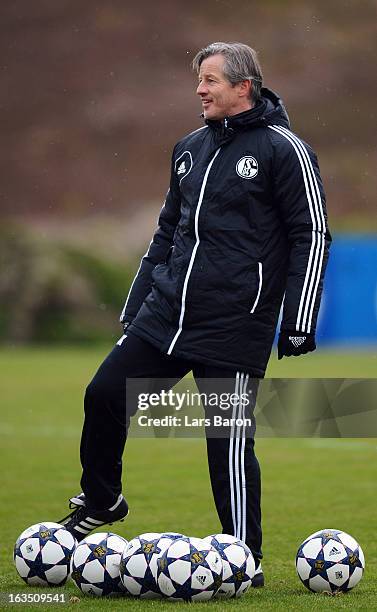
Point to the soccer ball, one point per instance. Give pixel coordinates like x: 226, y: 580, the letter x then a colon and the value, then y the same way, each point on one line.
x: 95, y: 564
x: 238, y: 565
x: 138, y: 568
x: 42, y: 554
x: 135, y: 570
x: 172, y: 535
x: 330, y: 561
x: 190, y: 569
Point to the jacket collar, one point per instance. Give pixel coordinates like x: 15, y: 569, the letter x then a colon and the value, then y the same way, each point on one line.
x: 241, y: 121
x: 268, y: 110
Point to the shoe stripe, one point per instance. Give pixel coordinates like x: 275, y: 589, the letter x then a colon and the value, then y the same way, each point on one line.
x: 85, y: 524
x: 89, y: 519
x: 76, y: 501
x: 81, y: 530
x: 118, y: 501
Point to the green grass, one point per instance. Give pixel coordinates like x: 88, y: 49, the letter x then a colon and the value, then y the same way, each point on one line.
x: 308, y: 484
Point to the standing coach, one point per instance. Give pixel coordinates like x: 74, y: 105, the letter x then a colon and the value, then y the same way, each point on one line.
x: 243, y: 226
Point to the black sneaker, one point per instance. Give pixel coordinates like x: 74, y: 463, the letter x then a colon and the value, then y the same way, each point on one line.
x: 83, y: 520
x: 77, y: 500
x: 258, y: 580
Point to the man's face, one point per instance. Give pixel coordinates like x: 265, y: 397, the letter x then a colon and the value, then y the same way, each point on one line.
x: 219, y: 97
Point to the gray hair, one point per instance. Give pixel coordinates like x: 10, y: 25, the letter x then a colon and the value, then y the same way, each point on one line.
x: 241, y: 64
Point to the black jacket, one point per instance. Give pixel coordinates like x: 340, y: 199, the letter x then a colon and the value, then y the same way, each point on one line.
x: 244, y: 222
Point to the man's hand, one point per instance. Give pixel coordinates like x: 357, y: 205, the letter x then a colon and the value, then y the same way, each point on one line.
x: 295, y: 343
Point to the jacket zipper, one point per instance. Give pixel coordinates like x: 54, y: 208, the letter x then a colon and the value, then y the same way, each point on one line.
x: 193, y: 254
x: 260, y: 272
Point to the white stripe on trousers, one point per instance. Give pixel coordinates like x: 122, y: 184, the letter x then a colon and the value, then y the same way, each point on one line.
x: 231, y: 439
x: 243, y: 475
x: 237, y: 469
x: 315, y: 260
x: 237, y: 476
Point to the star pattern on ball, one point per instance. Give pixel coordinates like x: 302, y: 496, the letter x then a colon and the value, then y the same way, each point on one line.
x: 331, y: 561
x: 42, y: 554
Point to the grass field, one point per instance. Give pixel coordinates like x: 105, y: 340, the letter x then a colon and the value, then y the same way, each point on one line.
x: 308, y: 484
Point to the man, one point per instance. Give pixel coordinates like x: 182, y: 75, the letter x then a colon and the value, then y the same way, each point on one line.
x: 244, y: 223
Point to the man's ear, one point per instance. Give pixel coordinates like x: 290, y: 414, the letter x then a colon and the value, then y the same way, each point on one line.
x: 244, y: 88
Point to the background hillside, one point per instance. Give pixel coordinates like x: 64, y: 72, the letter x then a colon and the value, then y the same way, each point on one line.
x: 94, y: 96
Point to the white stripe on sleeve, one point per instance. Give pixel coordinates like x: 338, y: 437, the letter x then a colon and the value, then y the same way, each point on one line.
x: 315, y: 259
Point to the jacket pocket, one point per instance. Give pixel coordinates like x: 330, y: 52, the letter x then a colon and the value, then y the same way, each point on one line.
x: 260, y: 283
x: 163, y: 263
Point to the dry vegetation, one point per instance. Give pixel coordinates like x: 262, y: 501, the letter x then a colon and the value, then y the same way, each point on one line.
x: 96, y: 94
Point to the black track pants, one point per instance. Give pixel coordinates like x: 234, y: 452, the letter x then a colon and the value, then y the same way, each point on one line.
x: 233, y: 466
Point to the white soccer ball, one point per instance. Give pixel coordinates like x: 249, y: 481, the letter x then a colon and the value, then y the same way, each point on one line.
x: 42, y: 554
x: 138, y: 568
x: 330, y: 561
x: 190, y: 569
x: 172, y: 535
x: 135, y: 566
x: 238, y: 565
x: 95, y: 564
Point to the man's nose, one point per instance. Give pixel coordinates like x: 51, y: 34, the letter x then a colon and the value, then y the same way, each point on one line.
x: 201, y: 89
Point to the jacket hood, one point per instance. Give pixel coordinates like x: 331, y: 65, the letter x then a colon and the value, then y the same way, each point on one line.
x: 269, y: 110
